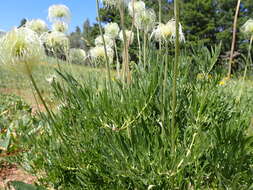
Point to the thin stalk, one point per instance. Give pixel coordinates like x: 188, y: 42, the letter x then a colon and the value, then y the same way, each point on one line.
x: 249, y: 58
x: 105, y: 49
x: 117, y: 59
x: 29, y: 73
x: 139, y: 44
x: 144, y: 49
x: 160, y: 20
x: 175, y: 72
x: 234, y: 38
x: 165, y: 79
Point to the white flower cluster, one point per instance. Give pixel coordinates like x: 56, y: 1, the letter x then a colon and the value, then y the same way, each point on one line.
x: 114, y: 3
x: 129, y: 36
x: 59, y: 12
x: 60, y: 26
x: 21, y: 47
x: 77, y: 56
x: 247, y: 28
x: 98, y: 53
x: 144, y: 19
x: 37, y: 25
x: 167, y: 32
x: 56, y: 40
x: 112, y: 30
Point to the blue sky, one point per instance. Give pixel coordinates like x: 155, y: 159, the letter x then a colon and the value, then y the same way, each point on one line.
x: 12, y: 11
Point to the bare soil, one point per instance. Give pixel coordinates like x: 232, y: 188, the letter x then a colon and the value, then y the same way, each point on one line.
x: 10, y: 172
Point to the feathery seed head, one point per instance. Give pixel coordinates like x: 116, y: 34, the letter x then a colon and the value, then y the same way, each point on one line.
x: 37, y: 25
x: 247, y: 28
x: 56, y: 12
x: 60, y: 26
x: 114, y: 3
x: 21, y: 47
x: 112, y: 30
x: 77, y: 56
x: 145, y: 20
x: 135, y: 7
x: 167, y: 32
x: 129, y: 36
x: 98, y: 53
x: 56, y: 40
x: 108, y: 41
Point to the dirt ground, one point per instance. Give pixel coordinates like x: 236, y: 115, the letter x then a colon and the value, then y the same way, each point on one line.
x: 10, y: 172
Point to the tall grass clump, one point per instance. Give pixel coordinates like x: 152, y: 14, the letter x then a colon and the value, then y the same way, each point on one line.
x: 119, y: 142
x: 167, y: 123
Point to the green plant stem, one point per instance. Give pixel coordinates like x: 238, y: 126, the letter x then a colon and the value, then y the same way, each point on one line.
x: 175, y: 70
x: 139, y: 44
x: 234, y: 38
x: 105, y: 48
x: 246, y: 68
x: 29, y: 73
x: 160, y: 20
x: 144, y: 49
x: 249, y: 59
x: 117, y: 59
x: 165, y: 79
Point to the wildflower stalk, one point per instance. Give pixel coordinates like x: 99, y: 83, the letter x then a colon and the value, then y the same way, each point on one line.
x: 165, y: 79
x: 175, y: 72
x: 29, y: 73
x: 160, y: 21
x: 125, y: 69
x: 234, y: 38
x: 139, y: 44
x: 117, y: 59
x: 105, y: 48
x: 144, y: 49
x: 246, y: 68
x: 249, y: 58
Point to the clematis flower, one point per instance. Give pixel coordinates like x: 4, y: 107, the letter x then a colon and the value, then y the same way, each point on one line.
x: 108, y: 41
x: 56, y: 40
x: 247, y: 28
x: 145, y: 20
x: 112, y: 30
x: 167, y: 32
x: 61, y: 12
x: 77, y: 55
x: 135, y: 7
x: 98, y: 53
x: 129, y: 36
x: 21, y: 47
x: 114, y: 3
x: 37, y: 25
x: 60, y: 26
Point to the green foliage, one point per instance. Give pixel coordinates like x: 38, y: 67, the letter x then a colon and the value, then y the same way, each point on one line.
x: 15, y: 117
x: 100, y: 140
x: 17, y: 185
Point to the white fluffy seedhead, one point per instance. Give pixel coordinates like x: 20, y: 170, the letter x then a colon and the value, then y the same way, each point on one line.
x: 56, y: 40
x: 37, y: 25
x: 60, y: 26
x: 112, y: 30
x: 98, y: 53
x: 108, y: 41
x: 145, y: 20
x: 77, y: 55
x: 167, y: 32
x: 247, y: 28
x: 21, y: 47
x: 61, y: 12
x: 129, y: 36
x: 135, y: 7
x: 114, y: 3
